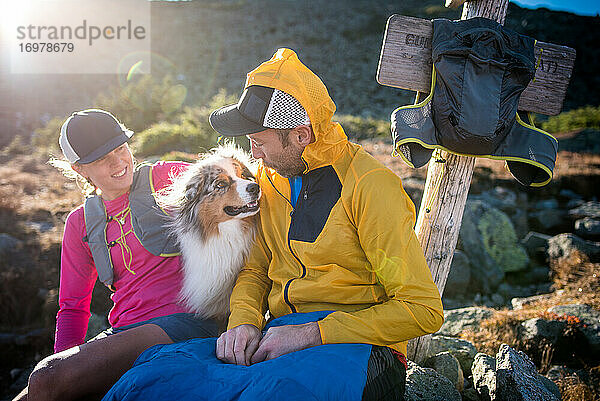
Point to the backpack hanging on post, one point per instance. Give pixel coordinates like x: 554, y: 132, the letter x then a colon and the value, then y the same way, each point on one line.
x: 480, y: 69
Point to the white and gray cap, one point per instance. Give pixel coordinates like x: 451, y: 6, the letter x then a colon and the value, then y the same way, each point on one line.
x: 258, y: 109
x: 90, y: 134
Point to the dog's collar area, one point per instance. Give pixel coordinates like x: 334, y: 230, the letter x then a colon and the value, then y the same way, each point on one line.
x: 248, y: 208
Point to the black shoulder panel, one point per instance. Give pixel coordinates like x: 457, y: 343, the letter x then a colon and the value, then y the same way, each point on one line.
x: 321, y: 189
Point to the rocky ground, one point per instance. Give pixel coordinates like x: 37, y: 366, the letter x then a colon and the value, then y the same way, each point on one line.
x: 522, y: 310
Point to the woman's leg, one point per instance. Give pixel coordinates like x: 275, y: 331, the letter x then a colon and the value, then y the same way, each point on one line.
x: 90, y: 368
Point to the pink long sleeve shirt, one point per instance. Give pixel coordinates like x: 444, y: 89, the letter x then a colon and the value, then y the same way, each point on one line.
x: 146, y: 286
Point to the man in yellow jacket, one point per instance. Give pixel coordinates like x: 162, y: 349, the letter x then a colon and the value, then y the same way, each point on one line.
x: 336, y: 229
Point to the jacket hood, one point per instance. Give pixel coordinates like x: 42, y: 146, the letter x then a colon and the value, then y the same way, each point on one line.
x: 284, y: 71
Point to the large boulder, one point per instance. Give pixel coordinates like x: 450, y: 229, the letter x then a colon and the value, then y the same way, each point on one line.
x: 517, y: 378
x: 458, y: 276
x: 8, y: 244
x: 448, y: 366
x: 563, y: 245
x: 458, y: 320
x: 547, y: 219
x: 488, y: 237
x: 589, y: 317
x: 425, y: 384
x: 588, y: 228
x: 588, y: 209
x: 462, y: 350
x: 536, y: 329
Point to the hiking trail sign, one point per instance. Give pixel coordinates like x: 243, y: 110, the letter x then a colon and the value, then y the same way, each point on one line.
x: 405, y: 62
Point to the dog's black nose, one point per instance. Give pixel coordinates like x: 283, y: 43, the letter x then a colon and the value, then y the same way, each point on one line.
x: 253, y: 188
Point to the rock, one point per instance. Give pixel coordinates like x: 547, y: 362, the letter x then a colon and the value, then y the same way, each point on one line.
x: 563, y: 245
x: 470, y: 394
x: 517, y: 377
x: 461, y: 349
x: 535, y: 329
x: 448, y: 366
x: 497, y: 299
x: 459, y: 275
x: 498, y: 197
x: 588, y: 228
x: 550, y: 386
x: 96, y: 325
x: 8, y: 243
x: 484, y: 376
x: 568, y: 194
x: 519, y: 303
x: 485, y: 271
x: 520, y: 222
x: 539, y: 274
x: 546, y: 204
x: 557, y: 372
x: 535, y: 242
x: 590, y: 319
x: 588, y: 209
x: 457, y: 320
x: 495, y: 236
x: 425, y: 384
x: 547, y: 219
x: 573, y: 203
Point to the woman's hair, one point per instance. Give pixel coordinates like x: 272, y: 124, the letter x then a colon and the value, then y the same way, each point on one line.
x: 87, y: 188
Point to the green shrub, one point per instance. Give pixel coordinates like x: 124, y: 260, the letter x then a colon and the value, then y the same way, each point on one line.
x: 144, y: 101
x: 357, y: 127
x: 45, y: 139
x: 584, y: 117
x: 190, y: 132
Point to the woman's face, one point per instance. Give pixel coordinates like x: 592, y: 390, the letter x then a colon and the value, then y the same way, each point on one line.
x: 112, y: 173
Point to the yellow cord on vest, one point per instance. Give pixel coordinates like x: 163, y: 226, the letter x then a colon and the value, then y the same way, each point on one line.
x: 539, y: 61
x: 120, y: 219
x: 437, y: 155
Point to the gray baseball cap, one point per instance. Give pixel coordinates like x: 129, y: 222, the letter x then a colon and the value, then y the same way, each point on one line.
x: 90, y: 134
x: 258, y: 109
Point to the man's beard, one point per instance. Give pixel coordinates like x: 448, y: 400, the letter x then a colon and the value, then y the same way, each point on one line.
x: 288, y: 163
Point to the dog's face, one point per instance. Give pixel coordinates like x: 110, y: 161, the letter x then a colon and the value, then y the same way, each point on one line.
x: 214, y: 190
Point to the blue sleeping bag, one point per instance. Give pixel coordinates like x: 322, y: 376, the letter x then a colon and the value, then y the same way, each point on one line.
x: 191, y: 371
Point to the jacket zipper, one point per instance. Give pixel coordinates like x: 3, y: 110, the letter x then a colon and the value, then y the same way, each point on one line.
x: 287, y: 285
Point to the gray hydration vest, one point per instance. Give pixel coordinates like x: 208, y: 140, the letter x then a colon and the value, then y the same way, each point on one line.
x: 147, y: 218
x: 479, y: 71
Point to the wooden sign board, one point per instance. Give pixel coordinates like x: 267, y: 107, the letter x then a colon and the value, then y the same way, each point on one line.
x: 405, y: 62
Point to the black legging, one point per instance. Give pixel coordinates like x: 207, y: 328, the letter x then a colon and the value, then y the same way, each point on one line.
x: 386, y: 376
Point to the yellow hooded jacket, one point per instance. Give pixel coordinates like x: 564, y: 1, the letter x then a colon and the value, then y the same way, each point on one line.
x: 349, y: 244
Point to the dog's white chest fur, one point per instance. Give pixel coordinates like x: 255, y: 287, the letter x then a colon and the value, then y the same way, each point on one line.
x: 211, y: 267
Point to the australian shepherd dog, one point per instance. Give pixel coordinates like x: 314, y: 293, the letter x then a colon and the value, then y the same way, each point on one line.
x: 214, y: 206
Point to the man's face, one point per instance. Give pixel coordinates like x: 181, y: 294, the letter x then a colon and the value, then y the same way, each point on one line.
x: 285, y: 159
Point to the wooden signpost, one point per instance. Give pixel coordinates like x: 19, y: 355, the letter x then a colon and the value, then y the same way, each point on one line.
x: 405, y: 62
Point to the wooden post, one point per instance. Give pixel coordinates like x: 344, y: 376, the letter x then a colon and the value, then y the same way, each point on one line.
x: 445, y: 194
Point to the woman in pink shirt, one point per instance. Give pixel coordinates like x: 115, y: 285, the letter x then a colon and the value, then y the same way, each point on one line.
x: 146, y: 286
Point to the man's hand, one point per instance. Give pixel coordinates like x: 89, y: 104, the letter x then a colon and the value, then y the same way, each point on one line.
x: 285, y: 339
x: 238, y: 344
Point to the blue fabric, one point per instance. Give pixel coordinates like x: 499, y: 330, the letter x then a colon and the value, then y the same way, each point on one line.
x: 295, y: 187
x: 190, y: 371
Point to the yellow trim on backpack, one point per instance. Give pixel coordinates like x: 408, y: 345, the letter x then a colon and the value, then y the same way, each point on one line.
x: 396, y: 153
x: 505, y: 158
